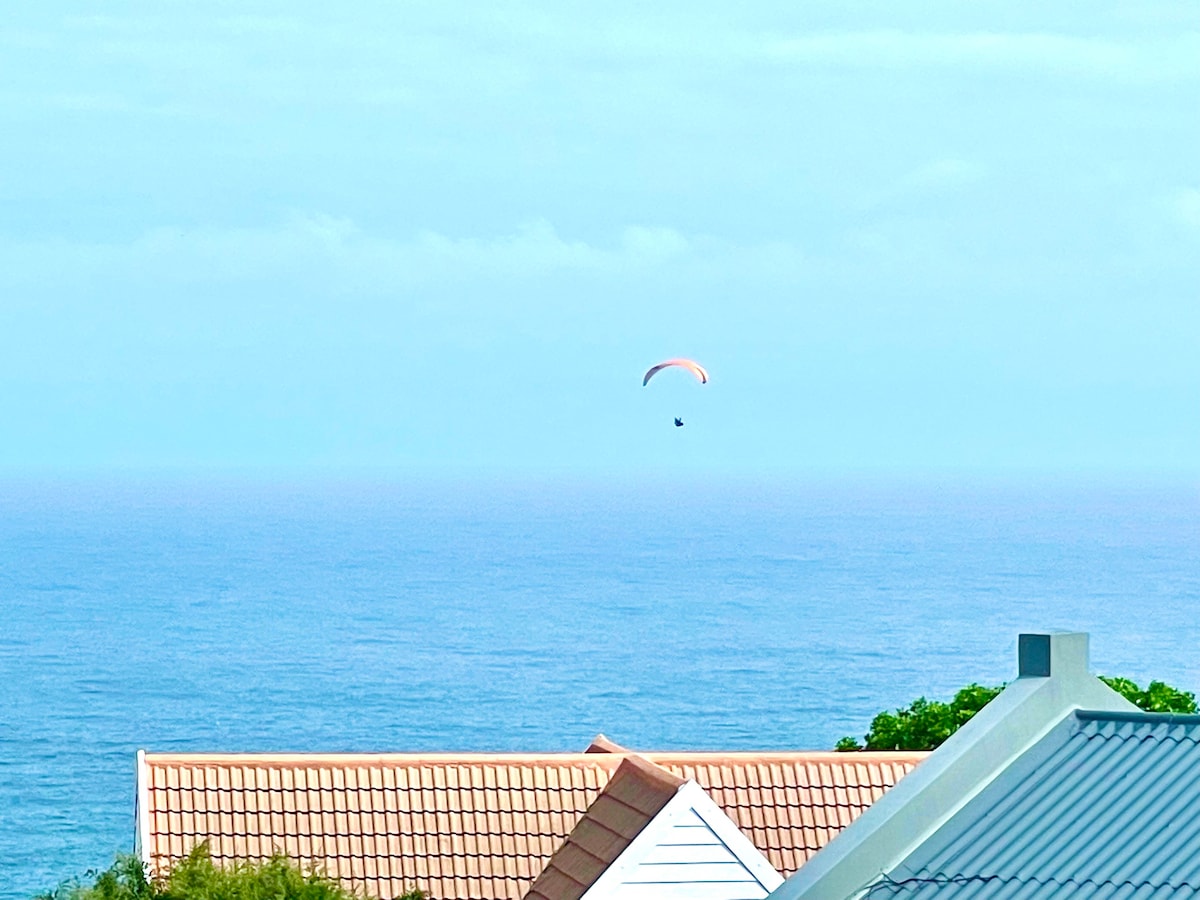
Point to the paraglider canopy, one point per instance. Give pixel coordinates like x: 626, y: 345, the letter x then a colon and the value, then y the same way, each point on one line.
x: 694, y: 367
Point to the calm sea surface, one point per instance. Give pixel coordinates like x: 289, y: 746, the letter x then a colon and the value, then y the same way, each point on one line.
x: 398, y: 617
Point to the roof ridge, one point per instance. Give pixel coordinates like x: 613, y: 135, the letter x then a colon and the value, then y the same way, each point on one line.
x: 807, y: 755
x: 351, y: 758
x: 567, y: 758
x: 602, y: 744
x: 648, y: 771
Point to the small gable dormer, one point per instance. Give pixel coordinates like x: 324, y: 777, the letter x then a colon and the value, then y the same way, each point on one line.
x: 650, y: 834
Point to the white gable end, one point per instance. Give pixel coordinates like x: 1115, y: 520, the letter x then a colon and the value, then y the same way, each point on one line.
x: 690, y: 860
x: 690, y: 850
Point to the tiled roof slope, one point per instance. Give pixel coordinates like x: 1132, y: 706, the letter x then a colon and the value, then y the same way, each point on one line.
x: 791, y: 805
x: 636, y: 793
x: 1103, y: 807
x: 475, y: 826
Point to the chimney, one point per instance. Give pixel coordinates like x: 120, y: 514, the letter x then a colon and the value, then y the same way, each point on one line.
x: 1046, y: 655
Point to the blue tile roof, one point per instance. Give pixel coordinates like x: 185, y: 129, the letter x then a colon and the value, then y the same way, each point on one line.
x: 1107, y: 805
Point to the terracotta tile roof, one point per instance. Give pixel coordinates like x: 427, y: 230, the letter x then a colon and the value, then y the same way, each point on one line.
x: 473, y: 826
x: 635, y: 794
x: 791, y: 805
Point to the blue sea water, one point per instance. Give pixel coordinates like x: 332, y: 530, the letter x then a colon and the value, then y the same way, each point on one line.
x: 529, y: 615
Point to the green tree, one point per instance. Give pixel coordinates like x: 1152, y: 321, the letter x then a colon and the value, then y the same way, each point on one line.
x: 925, y: 724
x: 197, y: 877
x: 1157, y: 697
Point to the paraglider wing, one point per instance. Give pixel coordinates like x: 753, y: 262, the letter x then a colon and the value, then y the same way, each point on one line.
x: 694, y: 367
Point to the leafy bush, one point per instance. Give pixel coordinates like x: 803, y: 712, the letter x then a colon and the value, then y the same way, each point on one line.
x: 125, y: 879
x: 925, y: 724
x: 1157, y: 697
x: 197, y: 877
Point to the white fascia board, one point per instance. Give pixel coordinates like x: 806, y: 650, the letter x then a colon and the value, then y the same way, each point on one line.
x: 690, y: 796
x: 141, y: 811
x: 886, y: 833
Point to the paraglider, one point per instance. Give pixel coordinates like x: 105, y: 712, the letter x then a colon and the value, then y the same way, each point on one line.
x: 694, y: 367
x: 678, y: 362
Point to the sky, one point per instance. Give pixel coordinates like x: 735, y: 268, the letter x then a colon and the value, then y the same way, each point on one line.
x: 419, y: 236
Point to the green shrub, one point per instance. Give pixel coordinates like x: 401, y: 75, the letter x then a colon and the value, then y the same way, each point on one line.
x: 1157, y: 697
x: 197, y: 877
x: 125, y: 879
x: 925, y: 724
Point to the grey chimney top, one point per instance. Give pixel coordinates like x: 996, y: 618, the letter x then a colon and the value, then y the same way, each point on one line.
x: 1043, y: 655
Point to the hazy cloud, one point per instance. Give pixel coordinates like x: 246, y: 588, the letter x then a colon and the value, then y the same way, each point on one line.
x: 944, y: 175
x: 941, y: 173
x: 270, y: 26
x: 337, y: 246
x: 650, y: 241
x: 1186, y: 206
x: 1175, y: 58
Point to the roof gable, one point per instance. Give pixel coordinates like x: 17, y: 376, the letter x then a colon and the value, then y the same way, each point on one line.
x: 636, y: 794
x: 677, y: 844
x: 1104, y: 800
x: 690, y: 850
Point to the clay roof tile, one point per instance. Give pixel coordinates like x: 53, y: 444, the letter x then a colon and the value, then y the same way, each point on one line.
x: 483, y: 826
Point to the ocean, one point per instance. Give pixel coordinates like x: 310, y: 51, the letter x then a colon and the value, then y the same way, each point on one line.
x: 530, y: 614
